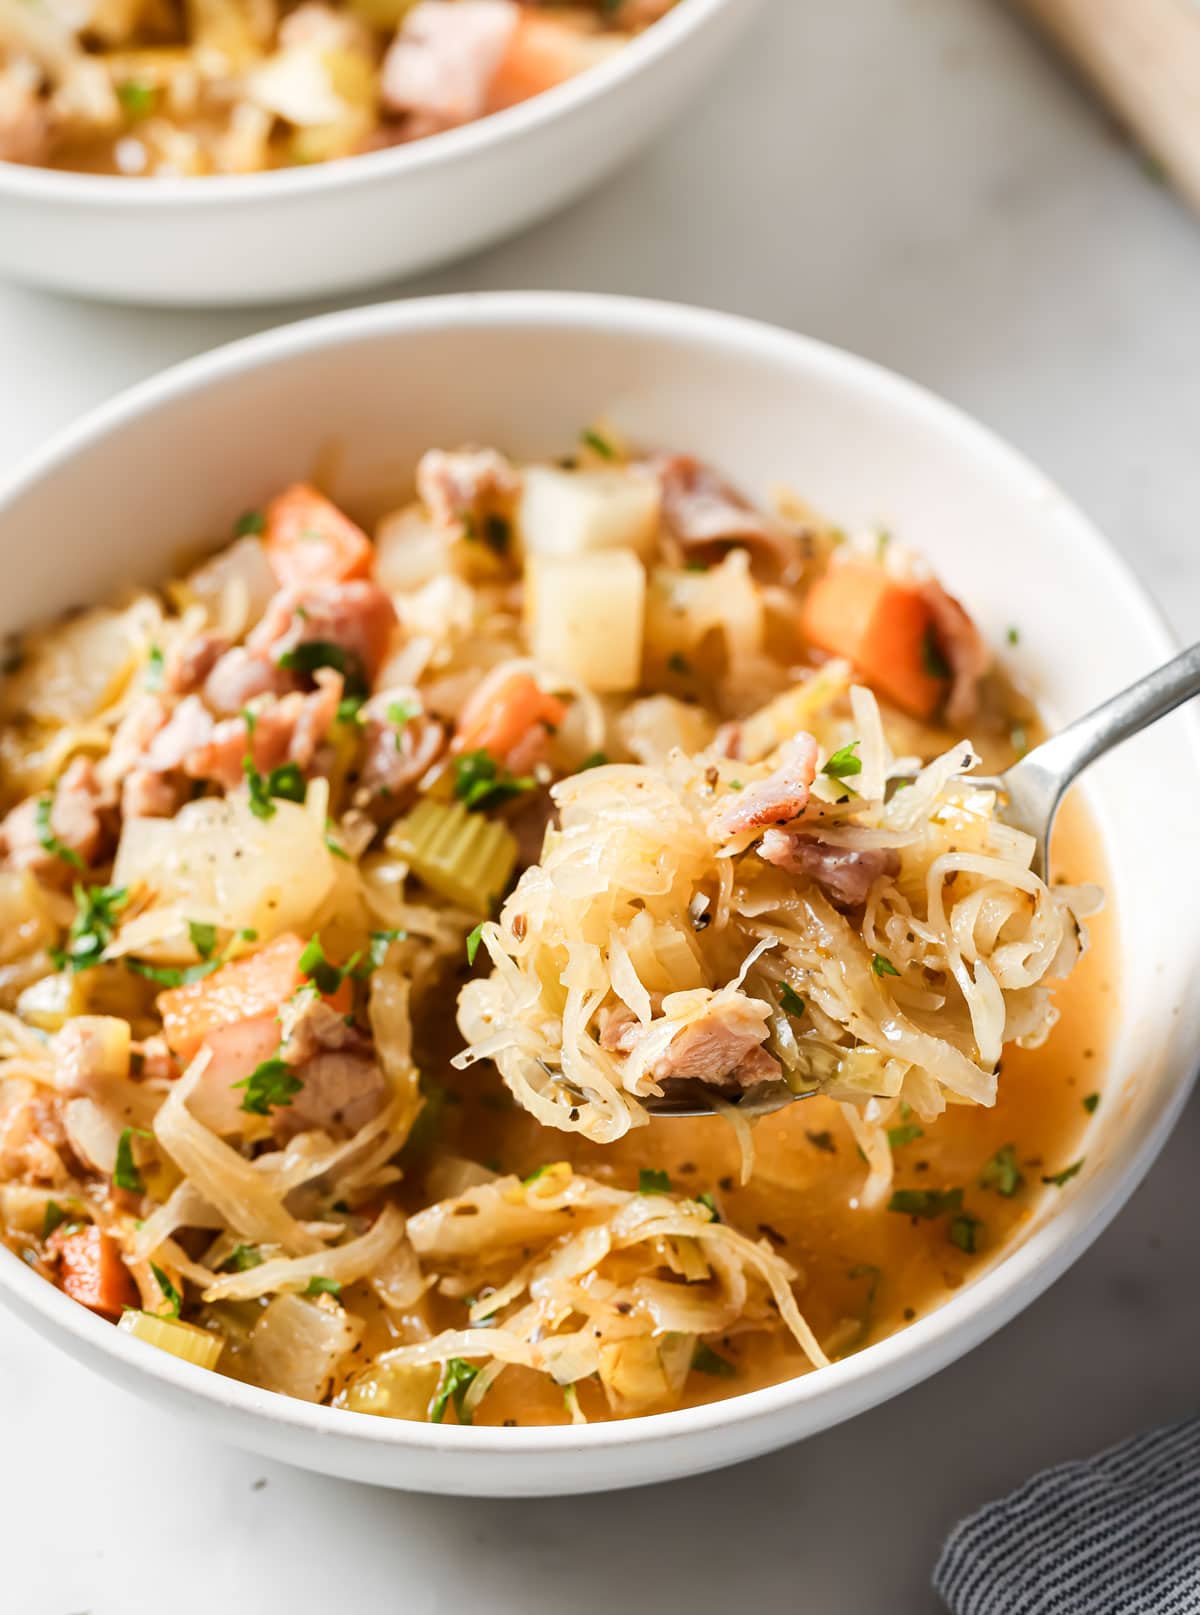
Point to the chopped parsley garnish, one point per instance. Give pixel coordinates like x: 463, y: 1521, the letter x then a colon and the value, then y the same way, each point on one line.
x: 242, y: 1258
x: 455, y: 1382
x: 653, y: 1181
x: 335, y: 847
x: 350, y: 709
x: 402, y: 712
x: 933, y: 659
x: 538, y: 1172
x: 53, y: 1217
x: 170, y: 1294
x: 325, y: 976
x: 203, y: 938
x: 136, y: 98
x: 965, y: 1232
x: 172, y: 975
x: 1090, y: 1102
x: 844, y: 763
x: 46, y: 837
x: 152, y: 679
x: 249, y: 524
x: 286, y: 782
x: 790, y: 999
x: 925, y: 1202
x: 125, y: 1174
x: 96, y: 911
x: 1013, y: 636
x: 599, y: 445
x: 481, y: 783
x: 883, y: 967
x: 707, y: 1200
x: 269, y: 1084
x: 473, y: 941
x: 1067, y: 1173
x: 899, y: 1136
x: 706, y: 1361
x: 311, y: 654
x: 598, y: 759
x: 320, y: 1286
x: 1002, y: 1172
x: 678, y: 663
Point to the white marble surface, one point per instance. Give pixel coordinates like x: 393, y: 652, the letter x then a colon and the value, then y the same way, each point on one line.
x: 915, y: 180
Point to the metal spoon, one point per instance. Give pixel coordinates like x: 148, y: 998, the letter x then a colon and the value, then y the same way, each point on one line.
x: 1030, y: 793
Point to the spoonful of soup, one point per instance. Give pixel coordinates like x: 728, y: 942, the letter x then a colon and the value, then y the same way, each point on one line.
x: 1028, y: 797
x: 881, y: 928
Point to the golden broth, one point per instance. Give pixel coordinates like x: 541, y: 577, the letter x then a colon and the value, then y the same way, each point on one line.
x: 864, y: 1273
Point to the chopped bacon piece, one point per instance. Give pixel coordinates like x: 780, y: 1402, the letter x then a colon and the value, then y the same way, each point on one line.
x: 75, y: 823
x: 964, y: 648
x: 440, y: 66
x: 776, y: 800
x: 721, y: 1047
x: 343, y: 1085
x: 356, y: 618
x: 190, y: 665
x: 398, y: 750
x: 240, y: 676
x: 288, y: 731
x: 845, y: 874
x: 460, y: 486
x: 701, y: 509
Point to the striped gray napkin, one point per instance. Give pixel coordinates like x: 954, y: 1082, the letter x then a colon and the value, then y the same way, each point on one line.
x: 1118, y: 1534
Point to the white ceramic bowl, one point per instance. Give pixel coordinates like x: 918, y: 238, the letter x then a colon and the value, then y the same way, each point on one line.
x: 176, y: 458
x: 331, y: 227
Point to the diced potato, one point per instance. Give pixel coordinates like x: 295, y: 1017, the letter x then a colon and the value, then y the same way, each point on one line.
x: 568, y: 513
x: 585, y: 616
x: 216, y: 859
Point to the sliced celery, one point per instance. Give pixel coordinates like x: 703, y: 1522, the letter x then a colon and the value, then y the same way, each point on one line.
x: 181, y: 1339
x: 464, y: 856
x: 394, y: 1390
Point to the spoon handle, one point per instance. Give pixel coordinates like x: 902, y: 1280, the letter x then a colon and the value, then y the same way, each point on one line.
x: 1036, y: 784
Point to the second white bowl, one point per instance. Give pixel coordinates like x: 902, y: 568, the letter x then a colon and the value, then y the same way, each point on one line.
x: 332, y: 227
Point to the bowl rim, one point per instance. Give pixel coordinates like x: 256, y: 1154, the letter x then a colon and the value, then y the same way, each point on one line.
x: 67, y: 188
x: 899, y: 1360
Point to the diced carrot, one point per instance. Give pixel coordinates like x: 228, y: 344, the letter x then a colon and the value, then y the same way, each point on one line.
x: 543, y: 52
x: 309, y: 540
x: 239, y: 991
x: 881, y: 624
x: 91, y: 1271
x: 501, y: 712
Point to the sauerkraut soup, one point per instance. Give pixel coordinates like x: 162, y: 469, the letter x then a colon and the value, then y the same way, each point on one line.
x: 362, y: 892
x: 185, y: 87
